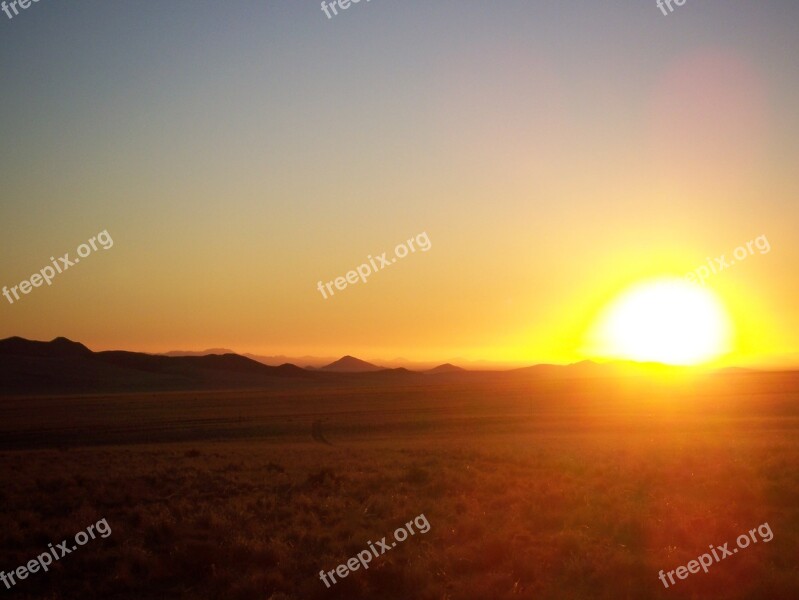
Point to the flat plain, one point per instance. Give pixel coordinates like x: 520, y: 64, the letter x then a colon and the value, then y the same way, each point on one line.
x: 533, y: 487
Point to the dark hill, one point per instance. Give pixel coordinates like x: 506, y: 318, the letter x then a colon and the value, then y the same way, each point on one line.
x: 58, y: 348
x: 65, y: 367
x: 446, y: 368
x: 350, y: 364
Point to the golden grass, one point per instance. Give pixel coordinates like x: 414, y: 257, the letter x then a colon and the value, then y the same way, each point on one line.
x: 583, y: 495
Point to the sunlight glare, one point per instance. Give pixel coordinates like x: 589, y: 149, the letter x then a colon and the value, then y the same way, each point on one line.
x: 670, y: 321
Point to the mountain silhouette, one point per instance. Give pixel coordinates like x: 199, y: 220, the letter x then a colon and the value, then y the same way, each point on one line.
x: 446, y: 368
x: 60, y: 347
x: 350, y: 364
x: 200, y: 353
x: 62, y: 366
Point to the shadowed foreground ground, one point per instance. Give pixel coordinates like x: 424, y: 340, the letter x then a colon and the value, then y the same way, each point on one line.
x: 585, y: 492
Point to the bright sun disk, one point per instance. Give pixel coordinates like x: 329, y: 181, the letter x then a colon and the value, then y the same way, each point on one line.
x: 669, y: 321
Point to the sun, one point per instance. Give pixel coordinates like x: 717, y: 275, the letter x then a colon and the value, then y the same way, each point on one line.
x: 669, y: 321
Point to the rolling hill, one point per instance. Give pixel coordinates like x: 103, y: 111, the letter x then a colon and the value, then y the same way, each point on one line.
x: 63, y: 366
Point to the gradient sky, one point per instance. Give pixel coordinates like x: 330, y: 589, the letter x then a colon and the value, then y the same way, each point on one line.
x: 238, y: 152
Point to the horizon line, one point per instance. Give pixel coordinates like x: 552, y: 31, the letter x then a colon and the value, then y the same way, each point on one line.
x: 485, y: 365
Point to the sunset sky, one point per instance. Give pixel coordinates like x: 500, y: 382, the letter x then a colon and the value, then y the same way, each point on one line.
x: 239, y: 152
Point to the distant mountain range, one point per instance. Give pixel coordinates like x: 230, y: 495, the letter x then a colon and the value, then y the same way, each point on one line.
x: 345, y: 364
x: 319, y: 362
x: 62, y: 366
x: 311, y: 361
